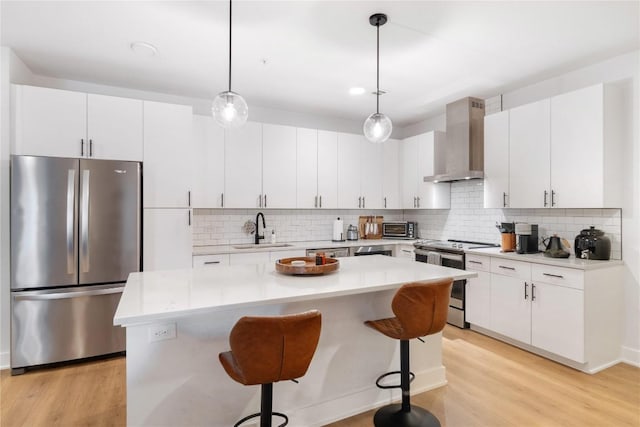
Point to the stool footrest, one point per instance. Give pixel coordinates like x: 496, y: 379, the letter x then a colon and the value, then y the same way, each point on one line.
x: 412, y: 376
x: 257, y: 414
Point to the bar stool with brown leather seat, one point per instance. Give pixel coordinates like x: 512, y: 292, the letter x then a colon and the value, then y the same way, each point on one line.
x: 420, y: 309
x: 268, y: 349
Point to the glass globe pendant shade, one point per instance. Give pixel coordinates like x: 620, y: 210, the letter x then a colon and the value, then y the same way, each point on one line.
x: 229, y: 110
x: 377, y: 127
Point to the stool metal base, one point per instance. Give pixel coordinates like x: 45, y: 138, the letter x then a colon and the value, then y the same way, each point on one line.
x: 394, y: 416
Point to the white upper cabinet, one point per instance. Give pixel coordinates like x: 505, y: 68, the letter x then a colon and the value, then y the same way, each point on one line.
x: 243, y: 166
x: 391, y: 175
x: 529, y: 156
x: 307, y: 168
x: 114, y: 127
x: 350, y: 148
x: 371, y: 173
x: 431, y: 195
x: 60, y: 123
x: 409, y: 172
x: 586, y: 148
x: 168, y: 155
x: 208, y: 185
x: 496, y: 160
x: 327, y: 169
x: 49, y: 122
x: 278, y: 166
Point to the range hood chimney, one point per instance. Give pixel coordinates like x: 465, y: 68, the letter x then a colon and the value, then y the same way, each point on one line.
x: 461, y: 155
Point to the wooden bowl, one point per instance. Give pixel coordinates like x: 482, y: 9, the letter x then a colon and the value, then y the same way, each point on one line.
x: 308, y: 269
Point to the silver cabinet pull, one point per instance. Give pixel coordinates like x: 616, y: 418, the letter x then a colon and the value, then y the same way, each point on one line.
x: 189, y: 216
x: 363, y: 201
x: 189, y: 198
x: 84, y: 224
x: 533, y: 292
x: 414, y: 201
x: 474, y: 262
x: 260, y: 201
x: 418, y: 201
x: 359, y: 202
x: 82, y: 147
x: 385, y: 202
x: 315, y: 203
x: 545, y: 198
x: 553, y: 275
x: 265, y: 200
x: 222, y: 200
x: 91, y: 148
x: 526, y: 287
x: 504, y: 200
x: 211, y: 262
x: 506, y: 268
x: 406, y: 251
x: 320, y: 200
x: 553, y: 198
x: 71, y: 200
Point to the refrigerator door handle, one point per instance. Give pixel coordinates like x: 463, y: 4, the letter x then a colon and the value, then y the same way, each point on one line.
x: 67, y: 295
x: 71, y: 193
x: 84, y: 224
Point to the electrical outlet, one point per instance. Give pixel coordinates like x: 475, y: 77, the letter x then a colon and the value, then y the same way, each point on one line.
x: 162, y: 332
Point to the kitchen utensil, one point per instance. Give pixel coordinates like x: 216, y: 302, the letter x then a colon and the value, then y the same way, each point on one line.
x: 526, y: 238
x: 508, y: 242
x: 352, y: 232
x: 554, y: 248
x: 591, y: 243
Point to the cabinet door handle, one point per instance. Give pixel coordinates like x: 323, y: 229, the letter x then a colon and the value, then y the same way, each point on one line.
x: 222, y: 200
x: 553, y: 198
x: 385, y: 202
x: 189, y: 218
x: 363, y: 202
x: 320, y: 200
x: 506, y: 268
x: 406, y: 251
x: 359, y: 202
x: 553, y: 275
x: 315, y: 203
x: 545, y: 198
x: 474, y: 262
x: 91, y: 148
x: 265, y: 200
x: 504, y: 200
x: 533, y: 292
x: 189, y: 198
x: 526, y: 286
x: 414, y: 201
x: 82, y: 147
x: 211, y: 262
x: 260, y: 201
x: 418, y: 201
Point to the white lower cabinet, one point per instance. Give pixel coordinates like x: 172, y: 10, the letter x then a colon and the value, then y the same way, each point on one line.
x: 405, y: 251
x: 249, y: 258
x: 478, y: 291
x: 510, y: 307
x: 167, y: 239
x: 200, y: 261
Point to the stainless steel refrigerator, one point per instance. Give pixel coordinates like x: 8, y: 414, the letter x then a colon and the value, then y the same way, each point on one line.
x: 75, y: 237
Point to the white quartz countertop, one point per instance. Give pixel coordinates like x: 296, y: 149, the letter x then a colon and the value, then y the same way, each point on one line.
x: 161, y: 295
x: 316, y: 244
x: 539, y: 258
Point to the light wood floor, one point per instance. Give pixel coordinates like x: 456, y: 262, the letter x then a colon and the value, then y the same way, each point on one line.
x: 490, y: 384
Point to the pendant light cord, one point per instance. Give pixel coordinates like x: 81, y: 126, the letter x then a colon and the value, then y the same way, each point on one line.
x: 229, y: 45
x: 378, y: 68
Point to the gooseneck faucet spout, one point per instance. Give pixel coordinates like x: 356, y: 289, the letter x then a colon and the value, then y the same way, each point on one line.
x: 258, y: 236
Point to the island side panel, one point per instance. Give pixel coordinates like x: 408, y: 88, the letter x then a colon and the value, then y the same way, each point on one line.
x: 180, y: 381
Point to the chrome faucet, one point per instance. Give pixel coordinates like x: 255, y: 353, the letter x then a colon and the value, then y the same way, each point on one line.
x: 264, y: 225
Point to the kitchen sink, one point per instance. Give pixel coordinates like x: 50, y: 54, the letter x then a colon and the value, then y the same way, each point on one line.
x: 262, y: 245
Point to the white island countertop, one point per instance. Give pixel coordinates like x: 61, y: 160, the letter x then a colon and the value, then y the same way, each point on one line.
x: 158, y: 295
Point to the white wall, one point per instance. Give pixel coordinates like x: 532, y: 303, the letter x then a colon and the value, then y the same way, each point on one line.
x: 5, y: 58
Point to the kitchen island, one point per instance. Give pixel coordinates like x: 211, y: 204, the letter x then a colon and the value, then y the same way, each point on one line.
x: 179, y: 320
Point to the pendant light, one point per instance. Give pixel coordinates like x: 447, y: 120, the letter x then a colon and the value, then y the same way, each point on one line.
x: 377, y: 127
x: 229, y: 109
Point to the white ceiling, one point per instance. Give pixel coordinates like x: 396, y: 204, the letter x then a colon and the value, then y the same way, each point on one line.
x: 431, y: 52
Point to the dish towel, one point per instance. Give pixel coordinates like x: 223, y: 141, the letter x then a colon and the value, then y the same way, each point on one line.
x: 434, y: 258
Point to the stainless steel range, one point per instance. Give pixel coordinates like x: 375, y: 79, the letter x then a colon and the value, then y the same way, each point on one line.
x: 450, y: 253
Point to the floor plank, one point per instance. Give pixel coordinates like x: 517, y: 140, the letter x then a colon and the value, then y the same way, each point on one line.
x: 490, y: 384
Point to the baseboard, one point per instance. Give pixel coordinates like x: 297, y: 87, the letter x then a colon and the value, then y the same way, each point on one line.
x: 630, y: 356
x: 5, y: 360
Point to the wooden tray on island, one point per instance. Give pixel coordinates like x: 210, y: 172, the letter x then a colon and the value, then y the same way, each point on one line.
x: 309, y: 268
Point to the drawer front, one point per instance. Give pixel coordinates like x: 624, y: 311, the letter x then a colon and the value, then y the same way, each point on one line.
x: 200, y: 261
x: 510, y: 268
x: 569, y: 277
x: 477, y: 262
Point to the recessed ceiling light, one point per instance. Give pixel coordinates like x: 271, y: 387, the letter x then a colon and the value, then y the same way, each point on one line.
x: 356, y: 91
x: 144, y: 49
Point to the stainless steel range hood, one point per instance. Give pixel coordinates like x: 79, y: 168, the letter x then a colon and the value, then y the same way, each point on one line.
x: 461, y: 156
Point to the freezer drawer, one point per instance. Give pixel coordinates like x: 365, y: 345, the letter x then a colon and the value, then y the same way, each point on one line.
x: 64, y: 324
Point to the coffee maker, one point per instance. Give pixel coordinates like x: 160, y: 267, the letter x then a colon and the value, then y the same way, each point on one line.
x: 526, y: 238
